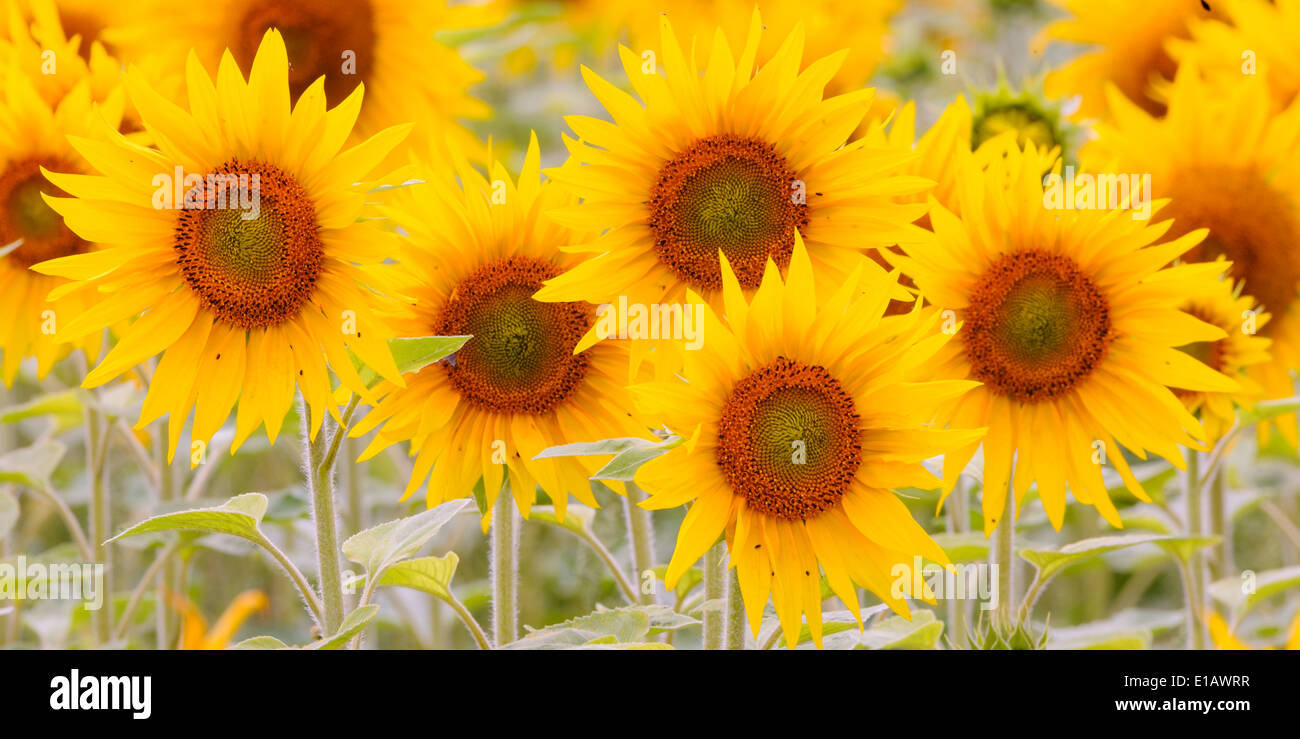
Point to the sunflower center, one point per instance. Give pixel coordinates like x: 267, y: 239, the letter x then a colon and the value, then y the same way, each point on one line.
x: 521, y: 357
x: 788, y: 440
x: 1251, y: 224
x: 1030, y: 127
x: 331, y: 40
x: 731, y: 194
x: 25, y: 215
x: 1036, y: 326
x: 248, y: 244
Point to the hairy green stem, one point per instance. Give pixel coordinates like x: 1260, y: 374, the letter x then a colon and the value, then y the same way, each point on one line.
x: 467, y: 618
x: 1004, y: 557
x: 1195, y: 568
x: 641, y: 535
x: 714, y: 589
x: 96, y: 454
x: 735, y: 637
x: 321, y: 455
x: 504, y: 545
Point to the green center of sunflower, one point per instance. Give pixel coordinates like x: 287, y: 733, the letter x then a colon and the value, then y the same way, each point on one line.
x: 788, y: 440
x: 520, y: 359
x: 1030, y: 126
x: 1036, y: 326
x: 331, y: 40
x: 1251, y: 223
x: 731, y: 194
x: 248, y: 245
x: 26, y: 216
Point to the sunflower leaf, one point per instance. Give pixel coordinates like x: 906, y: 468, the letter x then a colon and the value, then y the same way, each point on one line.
x: 618, y: 626
x: 413, y: 354
x: 1243, y: 593
x: 65, y: 407
x: 626, y: 463
x: 603, y: 447
x: 32, y: 466
x: 922, y: 632
x: 1051, y: 561
x: 351, y: 626
x: 382, y: 546
x: 428, y: 574
x: 261, y: 642
x: 240, y: 516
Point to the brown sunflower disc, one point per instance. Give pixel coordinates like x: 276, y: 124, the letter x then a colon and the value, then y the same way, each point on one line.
x: 26, y: 216
x: 731, y: 194
x: 789, y: 440
x: 521, y: 357
x: 319, y: 37
x: 251, y: 272
x: 1250, y: 222
x: 1036, y: 326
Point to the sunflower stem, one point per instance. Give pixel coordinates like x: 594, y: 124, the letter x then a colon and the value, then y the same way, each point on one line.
x: 1195, y: 581
x: 1004, y: 558
x: 504, y: 544
x: 320, y: 478
x: 735, y: 611
x: 959, y: 509
x: 96, y: 453
x: 1222, y: 558
x: 714, y: 576
x: 641, y: 534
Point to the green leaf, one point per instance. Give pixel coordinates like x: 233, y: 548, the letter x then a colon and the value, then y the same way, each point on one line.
x: 240, y: 516
x: 1232, y: 591
x: 384, y: 545
x: 922, y: 632
x: 596, y: 448
x: 625, y: 464
x: 66, y: 408
x: 414, y: 354
x: 429, y: 574
x: 261, y: 642
x: 1269, y: 409
x: 619, y: 626
x: 8, y: 512
x: 33, y: 465
x: 833, y: 622
x: 970, y: 546
x: 578, y: 518
x: 1051, y: 561
x: 351, y: 626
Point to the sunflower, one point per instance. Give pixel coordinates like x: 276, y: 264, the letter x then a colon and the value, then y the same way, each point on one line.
x: 239, y: 241
x: 1132, y: 53
x: 801, y: 417
x: 730, y: 161
x: 1230, y: 164
x: 1067, y: 318
x: 476, y: 254
x: 857, y: 25
x: 32, y: 137
x: 1270, y: 32
x: 1242, y: 348
x: 387, y: 45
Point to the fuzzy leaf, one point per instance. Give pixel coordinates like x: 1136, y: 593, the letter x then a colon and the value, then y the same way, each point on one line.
x: 240, y: 516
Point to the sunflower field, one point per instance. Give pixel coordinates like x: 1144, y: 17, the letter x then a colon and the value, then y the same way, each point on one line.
x: 716, y: 324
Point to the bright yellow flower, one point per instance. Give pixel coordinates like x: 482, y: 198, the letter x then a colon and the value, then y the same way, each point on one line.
x: 1068, y: 318
x: 801, y: 416
x: 1234, y: 355
x: 724, y: 160
x: 1228, y: 163
x: 476, y: 254
x: 33, y: 136
x: 244, y: 300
